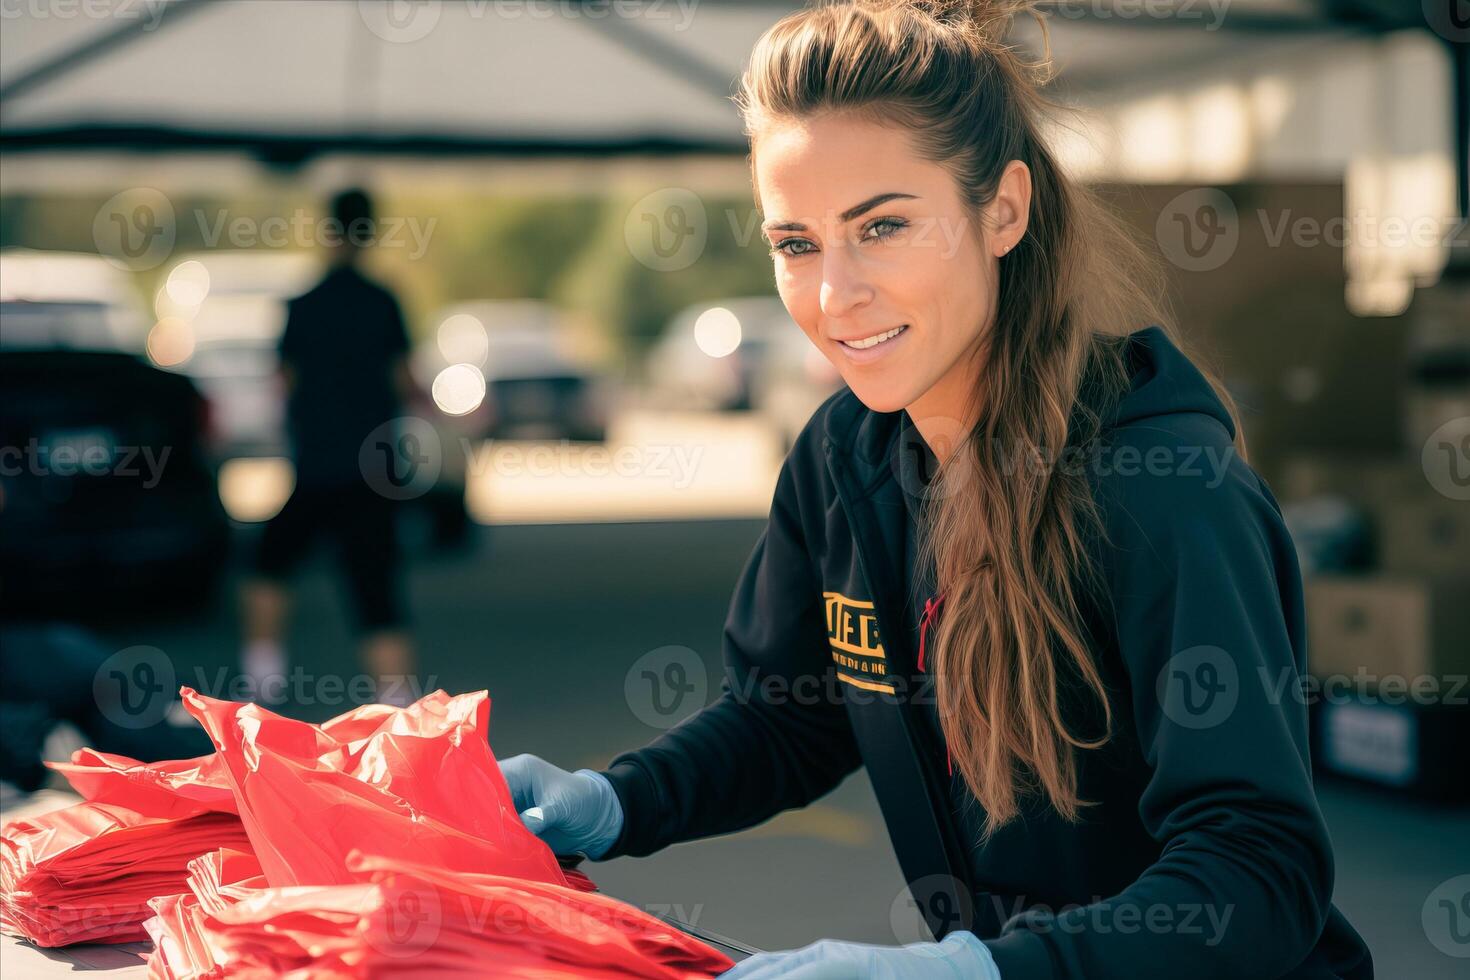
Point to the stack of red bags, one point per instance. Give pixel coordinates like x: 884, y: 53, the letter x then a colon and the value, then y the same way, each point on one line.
x: 409, y: 919
x: 85, y: 873
x: 392, y: 849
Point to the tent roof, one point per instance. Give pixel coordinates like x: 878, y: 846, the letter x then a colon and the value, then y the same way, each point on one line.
x: 288, y: 79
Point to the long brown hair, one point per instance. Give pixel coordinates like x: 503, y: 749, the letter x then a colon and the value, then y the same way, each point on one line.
x: 1009, y: 540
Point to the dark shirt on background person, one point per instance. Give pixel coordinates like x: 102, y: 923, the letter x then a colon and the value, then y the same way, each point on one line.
x: 342, y: 343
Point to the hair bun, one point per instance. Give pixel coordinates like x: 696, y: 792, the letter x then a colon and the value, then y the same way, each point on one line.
x: 988, y: 18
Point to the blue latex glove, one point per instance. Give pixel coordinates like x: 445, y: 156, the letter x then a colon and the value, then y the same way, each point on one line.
x: 961, y: 956
x: 573, y: 812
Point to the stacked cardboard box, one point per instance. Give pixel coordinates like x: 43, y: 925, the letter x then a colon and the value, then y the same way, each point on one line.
x: 1389, y: 646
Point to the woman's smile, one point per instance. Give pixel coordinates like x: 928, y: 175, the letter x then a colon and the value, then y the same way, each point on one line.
x: 866, y: 349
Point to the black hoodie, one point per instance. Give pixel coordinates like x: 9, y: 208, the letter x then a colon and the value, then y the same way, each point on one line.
x: 1204, y: 855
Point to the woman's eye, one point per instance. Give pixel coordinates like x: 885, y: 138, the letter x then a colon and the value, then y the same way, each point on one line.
x: 792, y: 247
x: 884, y: 227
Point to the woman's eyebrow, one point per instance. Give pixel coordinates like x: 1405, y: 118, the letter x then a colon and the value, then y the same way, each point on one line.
x: 847, y: 215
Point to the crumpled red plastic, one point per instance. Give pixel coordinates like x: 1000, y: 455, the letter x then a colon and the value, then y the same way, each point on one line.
x: 408, y: 919
x: 422, y: 784
x: 383, y: 842
x: 86, y: 872
x: 174, y: 788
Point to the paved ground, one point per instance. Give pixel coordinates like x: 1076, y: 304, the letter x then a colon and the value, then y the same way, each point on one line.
x: 551, y: 618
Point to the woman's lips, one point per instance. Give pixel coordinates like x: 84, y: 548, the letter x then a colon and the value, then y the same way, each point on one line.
x: 874, y: 350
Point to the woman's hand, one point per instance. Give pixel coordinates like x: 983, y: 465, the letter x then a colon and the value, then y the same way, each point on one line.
x: 961, y: 955
x: 573, y: 812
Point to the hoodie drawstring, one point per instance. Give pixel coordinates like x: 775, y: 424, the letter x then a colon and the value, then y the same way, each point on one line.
x: 931, y: 609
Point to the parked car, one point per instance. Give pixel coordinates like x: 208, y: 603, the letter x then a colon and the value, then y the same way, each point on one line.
x: 68, y: 299
x: 107, y: 496
x: 741, y: 354
x: 510, y: 369
x: 233, y: 332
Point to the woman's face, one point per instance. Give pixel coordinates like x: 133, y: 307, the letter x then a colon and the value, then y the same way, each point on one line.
x: 878, y: 258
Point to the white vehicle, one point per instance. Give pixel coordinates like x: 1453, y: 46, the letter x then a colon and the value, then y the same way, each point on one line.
x: 74, y: 300
x: 739, y: 354
x: 232, y: 307
x: 513, y: 369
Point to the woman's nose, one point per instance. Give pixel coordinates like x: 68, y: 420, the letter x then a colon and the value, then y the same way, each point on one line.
x: 845, y: 288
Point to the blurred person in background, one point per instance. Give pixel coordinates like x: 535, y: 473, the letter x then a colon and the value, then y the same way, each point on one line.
x: 117, y: 704
x: 344, y: 358
x: 1020, y: 570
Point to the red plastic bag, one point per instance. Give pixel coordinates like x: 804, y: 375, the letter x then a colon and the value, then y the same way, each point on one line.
x: 85, y: 873
x: 175, y: 788
x: 410, y: 919
x: 417, y: 783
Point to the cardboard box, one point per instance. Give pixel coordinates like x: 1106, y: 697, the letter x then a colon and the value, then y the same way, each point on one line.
x: 1429, y: 535
x: 1407, y: 747
x: 1389, y: 626
x: 1429, y: 409
x: 1372, y: 482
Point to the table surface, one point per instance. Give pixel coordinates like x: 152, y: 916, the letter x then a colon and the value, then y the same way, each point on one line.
x: 19, y: 960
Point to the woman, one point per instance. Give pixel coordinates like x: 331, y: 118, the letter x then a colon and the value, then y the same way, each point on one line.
x: 1019, y: 570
